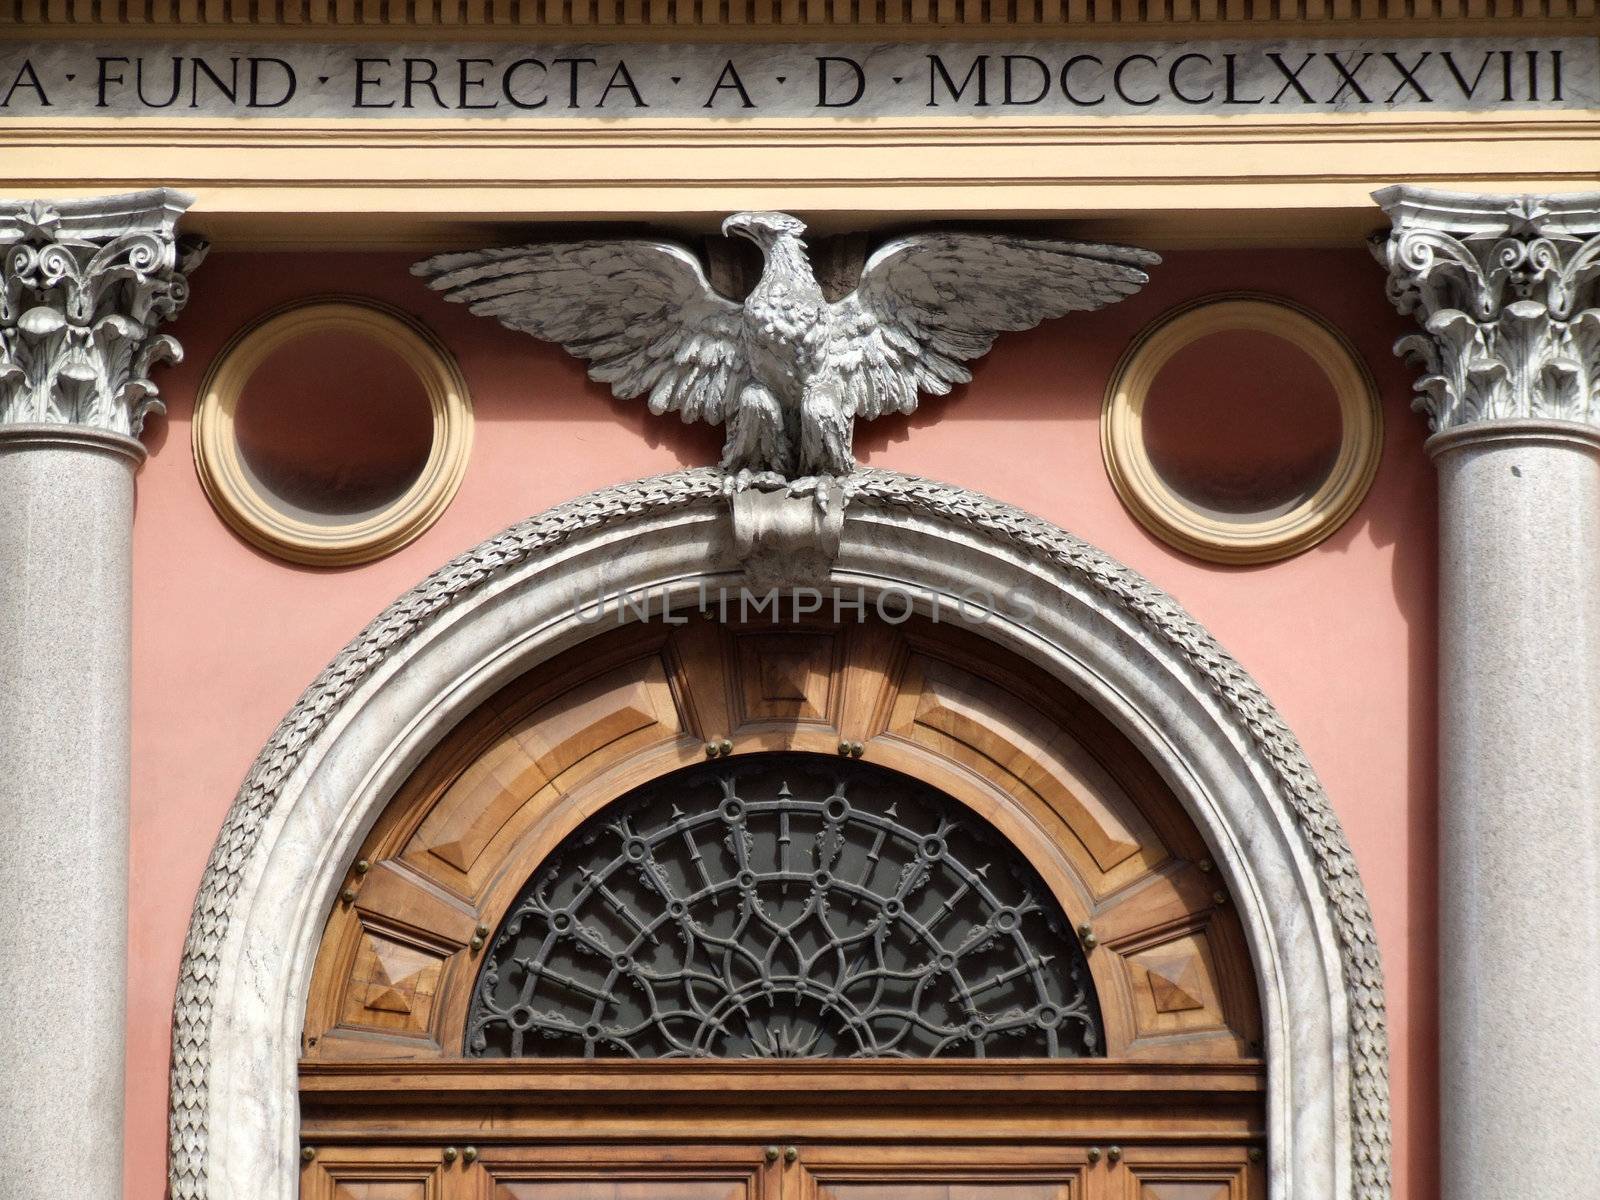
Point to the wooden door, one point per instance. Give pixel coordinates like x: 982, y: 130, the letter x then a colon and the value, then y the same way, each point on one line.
x: 703, y: 1172
x: 610, y: 1172
x: 779, y: 1171
x: 922, y: 1172
x: 376, y: 1173
x: 1166, y: 1105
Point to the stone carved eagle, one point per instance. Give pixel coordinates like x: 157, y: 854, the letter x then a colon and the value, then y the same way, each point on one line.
x: 787, y: 372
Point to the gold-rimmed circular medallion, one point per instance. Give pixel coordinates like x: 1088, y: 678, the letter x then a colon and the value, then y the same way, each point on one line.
x: 340, y: 478
x: 1316, y: 439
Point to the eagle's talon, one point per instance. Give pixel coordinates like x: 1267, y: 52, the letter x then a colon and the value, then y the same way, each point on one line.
x: 819, y: 487
x: 744, y: 479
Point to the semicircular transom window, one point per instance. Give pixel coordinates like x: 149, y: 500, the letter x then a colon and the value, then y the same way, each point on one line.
x: 785, y: 906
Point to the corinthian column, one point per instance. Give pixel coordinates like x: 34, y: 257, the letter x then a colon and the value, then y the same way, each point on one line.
x: 1507, y: 289
x: 83, y: 283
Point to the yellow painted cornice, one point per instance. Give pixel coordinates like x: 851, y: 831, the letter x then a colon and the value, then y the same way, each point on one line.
x: 1173, y: 182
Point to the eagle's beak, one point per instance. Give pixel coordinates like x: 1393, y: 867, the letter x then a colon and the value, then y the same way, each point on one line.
x: 737, y: 224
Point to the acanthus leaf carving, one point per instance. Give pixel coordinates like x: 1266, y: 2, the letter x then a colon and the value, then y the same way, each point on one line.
x: 1506, y: 289
x: 83, y: 286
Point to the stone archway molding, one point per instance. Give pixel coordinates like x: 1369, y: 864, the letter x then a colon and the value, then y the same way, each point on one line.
x: 531, y: 592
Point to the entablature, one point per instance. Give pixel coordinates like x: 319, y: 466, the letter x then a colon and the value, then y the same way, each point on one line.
x: 1171, y: 123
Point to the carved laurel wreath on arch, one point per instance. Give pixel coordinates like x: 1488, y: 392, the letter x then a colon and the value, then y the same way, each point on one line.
x: 883, y: 491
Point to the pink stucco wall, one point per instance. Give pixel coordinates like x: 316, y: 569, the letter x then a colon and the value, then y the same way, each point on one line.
x: 225, y: 638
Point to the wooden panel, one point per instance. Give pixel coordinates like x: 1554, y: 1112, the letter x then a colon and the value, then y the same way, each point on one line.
x: 1004, y: 1086
x: 1183, y: 959
x: 691, y: 1172
x: 1186, y: 1189
x: 920, y: 1172
x: 700, y: 675
x: 393, y: 985
x: 786, y: 677
x: 1158, y: 906
x: 525, y: 768
x: 979, y: 723
x: 478, y: 805
x: 633, y: 1189
x: 596, y: 715
x: 373, y: 1173
x: 979, y: 1190
x: 873, y: 661
x: 401, y: 899
x: 379, y: 1189
x: 1040, y: 1114
x: 1191, y: 1173
x: 1180, y: 993
x: 398, y: 939
x: 1193, y: 1183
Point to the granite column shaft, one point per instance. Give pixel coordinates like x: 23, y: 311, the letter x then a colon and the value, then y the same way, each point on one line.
x: 84, y: 284
x: 1505, y: 289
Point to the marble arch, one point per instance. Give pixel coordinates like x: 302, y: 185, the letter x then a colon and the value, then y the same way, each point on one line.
x: 529, y: 593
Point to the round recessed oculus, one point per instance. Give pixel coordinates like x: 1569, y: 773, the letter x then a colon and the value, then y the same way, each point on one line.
x: 1241, y: 429
x: 332, y: 432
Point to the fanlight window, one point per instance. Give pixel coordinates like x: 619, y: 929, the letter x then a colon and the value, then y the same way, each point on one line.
x: 785, y: 906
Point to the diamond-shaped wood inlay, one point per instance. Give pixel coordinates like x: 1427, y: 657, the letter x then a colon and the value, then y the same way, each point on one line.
x: 785, y: 676
x: 1175, y: 983
x: 1179, y: 992
x: 392, y: 985
x: 396, y: 971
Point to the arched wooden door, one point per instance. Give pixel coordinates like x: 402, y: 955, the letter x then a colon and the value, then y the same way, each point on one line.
x: 833, y: 912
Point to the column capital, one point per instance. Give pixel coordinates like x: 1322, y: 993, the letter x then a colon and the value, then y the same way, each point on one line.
x: 83, y: 285
x: 1507, y: 289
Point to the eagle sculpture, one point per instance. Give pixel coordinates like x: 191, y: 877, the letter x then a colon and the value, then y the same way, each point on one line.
x: 787, y: 372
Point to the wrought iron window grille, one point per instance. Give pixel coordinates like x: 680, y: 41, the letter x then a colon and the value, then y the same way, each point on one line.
x: 785, y: 906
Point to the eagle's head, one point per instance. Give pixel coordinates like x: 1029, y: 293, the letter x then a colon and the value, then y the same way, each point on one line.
x: 763, y: 228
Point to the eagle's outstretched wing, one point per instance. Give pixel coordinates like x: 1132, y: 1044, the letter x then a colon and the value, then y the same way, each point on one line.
x: 927, y: 303
x: 641, y: 312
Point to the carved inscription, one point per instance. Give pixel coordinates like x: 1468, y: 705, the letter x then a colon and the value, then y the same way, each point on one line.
x: 1033, y: 79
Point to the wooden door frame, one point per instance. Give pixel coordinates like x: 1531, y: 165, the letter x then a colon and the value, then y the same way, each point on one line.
x: 514, y: 602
